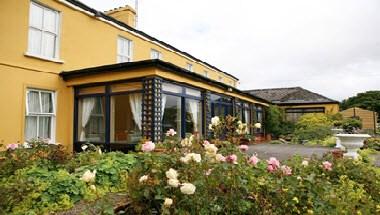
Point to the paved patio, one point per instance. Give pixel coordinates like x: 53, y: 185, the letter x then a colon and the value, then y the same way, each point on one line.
x: 284, y: 151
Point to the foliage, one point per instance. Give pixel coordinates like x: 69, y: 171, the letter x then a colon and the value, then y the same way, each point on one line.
x: 351, y: 125
x: 37, y: 181
x: 229, y: 128
x: 336, y: 119
x: 312, y: 127
x: 329, y: 141
x: 245, y: 185
x: 274, y: 119
x: 368, y: 100
x: 372, y: 143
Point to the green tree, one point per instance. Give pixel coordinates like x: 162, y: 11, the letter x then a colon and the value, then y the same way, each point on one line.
x: 369, y: 100
x: 274, y: 120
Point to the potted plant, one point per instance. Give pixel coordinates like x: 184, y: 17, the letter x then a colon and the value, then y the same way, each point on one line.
x: 351, y: 139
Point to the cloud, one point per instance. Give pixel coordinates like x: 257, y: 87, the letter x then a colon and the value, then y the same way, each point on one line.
x: 328, y: 46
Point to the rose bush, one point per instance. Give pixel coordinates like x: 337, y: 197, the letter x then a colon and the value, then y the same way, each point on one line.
x: 225, y: 180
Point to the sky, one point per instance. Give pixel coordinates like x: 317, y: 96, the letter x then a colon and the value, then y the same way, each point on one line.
x: 331, y: 47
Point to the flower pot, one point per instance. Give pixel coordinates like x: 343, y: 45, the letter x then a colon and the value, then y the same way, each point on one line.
x: 352, y: 143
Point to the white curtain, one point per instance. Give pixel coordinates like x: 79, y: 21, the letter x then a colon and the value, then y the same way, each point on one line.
x: 193, y: 106
x: 88, y: 105
x: 163, y: 103
x: 31, y: 127
x: 135, y: 100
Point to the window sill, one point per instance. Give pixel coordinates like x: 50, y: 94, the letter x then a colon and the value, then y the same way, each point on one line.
x: 43, y: 58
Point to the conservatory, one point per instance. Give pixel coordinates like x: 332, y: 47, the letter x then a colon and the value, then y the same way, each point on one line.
x: 117, y: 105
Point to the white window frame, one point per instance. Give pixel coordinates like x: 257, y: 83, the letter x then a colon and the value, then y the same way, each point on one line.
x: 43, y: 32
x: 154, y: 54
x: 124, y: 57
x: 52, y: 115
x: 189, y: 67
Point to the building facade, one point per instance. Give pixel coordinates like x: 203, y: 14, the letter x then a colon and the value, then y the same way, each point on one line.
x: 73, y: 74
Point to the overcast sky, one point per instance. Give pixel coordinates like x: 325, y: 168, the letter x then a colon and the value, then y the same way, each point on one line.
x: 328, y: 46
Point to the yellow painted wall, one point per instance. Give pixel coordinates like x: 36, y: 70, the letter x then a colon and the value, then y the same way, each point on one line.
x: 85, y: 41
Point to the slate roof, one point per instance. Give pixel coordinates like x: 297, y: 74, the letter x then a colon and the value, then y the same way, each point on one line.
x: 291, y: 96
x: 106, y: 17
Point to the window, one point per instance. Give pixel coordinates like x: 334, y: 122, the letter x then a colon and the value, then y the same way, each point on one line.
x: 293, y: 114
x: 189, y: 67
x: 40, y: 114
x: 154, y: 54
x: 193, y: 118
x: 205, y: 74
x: 124, y: 50
x: 220, y: 105
x: 91, y: 119
x: 43, y: 31
x: 171, y: 114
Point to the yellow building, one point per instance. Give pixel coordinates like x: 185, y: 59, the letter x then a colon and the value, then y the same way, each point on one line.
x: 72, y: 74
x: 297, y: 101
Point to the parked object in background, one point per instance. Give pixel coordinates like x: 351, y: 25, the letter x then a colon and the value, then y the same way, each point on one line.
x: 352, y: 143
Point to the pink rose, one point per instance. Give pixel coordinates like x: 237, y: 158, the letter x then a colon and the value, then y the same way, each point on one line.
x: 171, y: 132
x: 148, y: 146
x: 327, y: 165
x: 206, y: 142
x: 273, y: 164
x: 243, y: 148
x: 253, y: 160
x: 12, y: 146
x: 286, y: 170
x: 231, y: 159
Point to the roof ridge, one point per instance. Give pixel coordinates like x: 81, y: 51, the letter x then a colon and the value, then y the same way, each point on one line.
x: 277, y: 88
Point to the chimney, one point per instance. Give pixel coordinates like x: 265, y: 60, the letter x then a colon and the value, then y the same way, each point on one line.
x: 124, y: 14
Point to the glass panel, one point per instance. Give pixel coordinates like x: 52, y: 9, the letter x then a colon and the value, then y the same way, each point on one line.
x: 126, y: 119
x: 91, y: 119
x: 123, y: 87
x: 192, y: 92
x: 171, y: 88
x: 31, y: 127
x: 34, y: 102
x: 47, y: 102
x: 48, y: 45
x: 193, y: 117
x: 172, y: 114
x: 36, y: 14
x: 50, y: 22
x: 34, y: 43
x: 91, y: 90
x: 44, y: 125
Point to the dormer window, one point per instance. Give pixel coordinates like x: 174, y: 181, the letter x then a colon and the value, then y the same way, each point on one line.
x: 154, y: 54
x: 124, y: 50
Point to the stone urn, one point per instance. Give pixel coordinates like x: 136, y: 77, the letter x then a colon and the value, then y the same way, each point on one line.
x: 352, y: 143
x: 335, y: 132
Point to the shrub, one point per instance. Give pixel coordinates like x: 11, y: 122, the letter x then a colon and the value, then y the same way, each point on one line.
x: 312, y: 127
x: 372, y: 143
x: 351, y: 125
x: 274, y: 120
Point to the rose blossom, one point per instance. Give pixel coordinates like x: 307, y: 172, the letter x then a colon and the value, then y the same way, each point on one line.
x: 186, y: 142
x: 231, y: 159
x: 168, y: 202
x: 220, y: 158
x: 243, y: 148
x: 171, y: 132
x: 286, y: 170
x: 148, y: 146
x: 188, y: 188
x: 171, y: 174
x: 211, y: 148
x: 253, y: 160
x: 270, y: 168
x: 273, y: 164
x: 12, y: 146
x: 206, y: 142
x: 143, y: 178
x: 305, y: 163
x: 173, y: 182
x: 257, y: 125
x: 191, y: 157
x: 88, y: 176
x: 215, y: 120
x: 327, y: 165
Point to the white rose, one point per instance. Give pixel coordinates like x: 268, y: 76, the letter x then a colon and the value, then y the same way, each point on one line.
x: 305, y: 163
x: 186, y: 142
x: 143, y: 178
x: 257, y: 125
x: 196, y: 157
x: 93, y: 187
x: 84, y: 147
x: 173, y: 182
x: 215, y: 120
x: 210, y: 126
x: 220, y: 158
x: 211, y: 148
x: 185, y: 159
x: 168, y: 202
x: 187, y: 188
x: 171, y: 174
x: 88, y: 176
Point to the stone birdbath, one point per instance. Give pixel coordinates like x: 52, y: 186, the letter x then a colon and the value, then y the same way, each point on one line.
x: 352, y: 143
x: 335, y: 132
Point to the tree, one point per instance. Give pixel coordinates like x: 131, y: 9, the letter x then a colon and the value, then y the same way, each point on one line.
x: 369, y: 100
